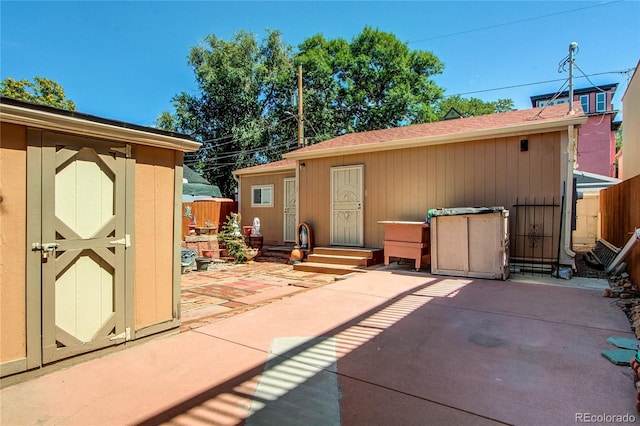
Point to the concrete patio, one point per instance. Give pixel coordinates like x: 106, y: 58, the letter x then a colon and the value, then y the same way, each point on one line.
x: 383, y: 347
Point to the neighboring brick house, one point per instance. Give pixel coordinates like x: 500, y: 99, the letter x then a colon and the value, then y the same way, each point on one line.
x: 597, y: 137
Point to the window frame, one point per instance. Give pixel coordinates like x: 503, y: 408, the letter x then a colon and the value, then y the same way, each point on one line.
x: 585, y: 97
x: 601, y: 98
x: 269, y: 187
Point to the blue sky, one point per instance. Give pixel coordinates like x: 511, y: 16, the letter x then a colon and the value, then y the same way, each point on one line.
x: 126, y: 60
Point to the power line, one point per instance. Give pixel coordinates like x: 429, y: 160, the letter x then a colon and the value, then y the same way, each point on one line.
x: 513, y: 22
x: 234, y: 140
x: 625, y: 71
x: 588, y: 79
x: 231, y: 154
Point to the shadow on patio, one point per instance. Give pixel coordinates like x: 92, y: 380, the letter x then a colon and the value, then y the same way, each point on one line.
x: 447, y: 350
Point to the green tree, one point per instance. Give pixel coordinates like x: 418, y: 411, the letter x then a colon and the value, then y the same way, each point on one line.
x: 41, y: 91
x: 245, y: 87
x: 244, y: 111
x: 472, y: 106
x: 373, y: 82
x: 619, y: 138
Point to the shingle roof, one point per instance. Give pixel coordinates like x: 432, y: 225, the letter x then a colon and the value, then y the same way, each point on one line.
x: 449, y: 131
x: 484, y: 123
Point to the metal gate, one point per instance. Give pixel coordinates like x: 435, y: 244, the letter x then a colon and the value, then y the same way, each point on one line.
x: 535, y: 234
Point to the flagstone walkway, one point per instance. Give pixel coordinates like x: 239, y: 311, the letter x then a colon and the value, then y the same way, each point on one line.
x: 227, y: 289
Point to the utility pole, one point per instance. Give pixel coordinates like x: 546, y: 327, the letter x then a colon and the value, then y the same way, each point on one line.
x: 572, y: 47
x: 300, y: 116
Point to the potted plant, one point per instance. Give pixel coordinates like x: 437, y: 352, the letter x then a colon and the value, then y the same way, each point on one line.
x: 234, y: 241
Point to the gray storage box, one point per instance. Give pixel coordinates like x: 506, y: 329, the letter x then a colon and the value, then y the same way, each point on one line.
x: 470, y: 242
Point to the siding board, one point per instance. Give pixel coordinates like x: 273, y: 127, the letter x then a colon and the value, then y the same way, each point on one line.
x: 512, y: 163
x: 479, y: 165
x: 537, y: 157
x: 440, y: 184
x: 501, y: 167
x: 405, y: 184
x: 13, y: 312
x: 154, y: 185
x: 431, y: 176
x: 490, y: 171
x: 414, y: 176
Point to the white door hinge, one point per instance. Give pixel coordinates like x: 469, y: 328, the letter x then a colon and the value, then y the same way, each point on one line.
x: 126, y: 335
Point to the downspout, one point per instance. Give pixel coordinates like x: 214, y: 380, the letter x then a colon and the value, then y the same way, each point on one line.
x: 568, y: 199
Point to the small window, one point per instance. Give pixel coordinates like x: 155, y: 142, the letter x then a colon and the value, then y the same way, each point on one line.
x: 584, y: 100
x: 262, y: 196
x: 601, y: 102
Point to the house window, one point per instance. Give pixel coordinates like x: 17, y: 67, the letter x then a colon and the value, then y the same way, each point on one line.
x: 584, y: 100
x: 601, y: 102
x: 262, y: 196
x: 552, y: 102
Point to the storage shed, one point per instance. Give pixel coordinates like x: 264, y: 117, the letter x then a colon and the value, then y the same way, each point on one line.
x: 90, y: 231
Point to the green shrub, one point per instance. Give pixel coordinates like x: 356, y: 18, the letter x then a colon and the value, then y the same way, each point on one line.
x: 233, y: 240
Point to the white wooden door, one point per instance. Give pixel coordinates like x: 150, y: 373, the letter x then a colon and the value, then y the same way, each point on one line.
x: 347, y: 197
x: 290, y: 197
x: 83, y: 216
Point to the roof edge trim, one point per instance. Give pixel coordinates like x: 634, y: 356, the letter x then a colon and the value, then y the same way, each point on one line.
x: 265, y: 170
x: 56, y: 122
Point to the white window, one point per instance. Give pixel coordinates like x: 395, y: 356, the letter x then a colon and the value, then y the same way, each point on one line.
x: 552, y: 102
x: 262, y: 196
x: 601, y: 102
x: 584, y: 100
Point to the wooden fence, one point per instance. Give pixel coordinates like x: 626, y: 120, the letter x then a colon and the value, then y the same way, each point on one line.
x: 620, y: 216
x: 212, y: 211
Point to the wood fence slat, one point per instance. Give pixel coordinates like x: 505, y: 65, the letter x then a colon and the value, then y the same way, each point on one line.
x: 620, y: 216
x: 214, y: 211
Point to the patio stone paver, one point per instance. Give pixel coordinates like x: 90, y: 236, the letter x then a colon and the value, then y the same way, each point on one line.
x: 192, y: 300
x: 227, y: 289
x: 221, y: 291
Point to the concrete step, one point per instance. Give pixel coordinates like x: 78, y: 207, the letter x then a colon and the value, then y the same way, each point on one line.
x: 338, y: 260
x: 280, y: 254
x: 373, y: 256
x: 326, y: 268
